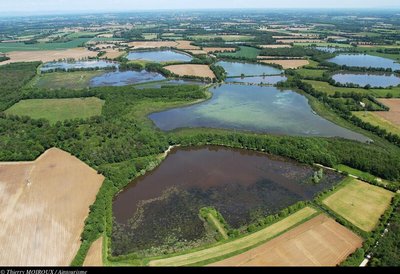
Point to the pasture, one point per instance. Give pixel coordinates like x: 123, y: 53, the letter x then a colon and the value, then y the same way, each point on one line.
x: 8, y: 47
x: 318, y: 242
x: 223, y: 250
x: 379, y: 118
x: 191, y: 70
x: 70, y: 80
x: 310, y: 72
x: 243, y: 52
x: 360, y: 203
x: 43, y: 205
x: 56, y: 110
x: 330, y: 90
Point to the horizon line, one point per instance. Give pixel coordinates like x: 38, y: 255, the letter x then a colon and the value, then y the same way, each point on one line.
x: 71, y: 12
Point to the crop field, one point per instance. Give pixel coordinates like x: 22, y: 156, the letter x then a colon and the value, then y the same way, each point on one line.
x: 330, y: 90
x: 239, y: 244
x: 360, y: 203
x: 192, y: 70
x: 7, y: 47
x: 48, y: 55
x: 43, y: 205
x: 70, y: 80
x: 393, y: 115
x: 56, y: 110
x: 378, y: 118
x: 226, y: 38
x: 287, y: 64
x: 246, y: 52
x: 318, y: 242
x: 94, y: 256
x: 184, y: 44
x: 152, y: 44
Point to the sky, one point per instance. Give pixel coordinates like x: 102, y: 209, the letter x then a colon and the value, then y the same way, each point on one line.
x: 47, y: 6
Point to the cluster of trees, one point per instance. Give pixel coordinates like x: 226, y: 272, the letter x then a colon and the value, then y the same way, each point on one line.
x: 12, y: 78
x: 4, y: 58
x: 108, y: 68
x: 219, y: 72
x: 387, y: 251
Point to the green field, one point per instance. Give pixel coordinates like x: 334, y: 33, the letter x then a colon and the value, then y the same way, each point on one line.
x: 70, y: 80
x: 310, y: 72
x: 149, y: 36
x: 376, y: 120
x: 360, y: 203
x: 365, y: 176
x: 246, y: 52
x: 246, y: 242
x: 227, y: 38
x: 56, y: 110
x: 330, y: 90
x: 7, y: 47
x: 82, y: 34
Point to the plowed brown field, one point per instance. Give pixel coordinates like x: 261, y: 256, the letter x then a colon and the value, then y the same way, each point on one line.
x: 318, y: 242
x: 43, y: 205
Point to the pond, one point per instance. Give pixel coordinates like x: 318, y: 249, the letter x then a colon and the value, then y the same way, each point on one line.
x: 329, y: 49
x: 363, y: 79
x: 253, y: 108
x: 162, y: 207
x: 78, y: 65
x: 270, y: 80
x: 123, y: 78
x: 159, y: 56
x: 238, y: 68
x: 364, y: 60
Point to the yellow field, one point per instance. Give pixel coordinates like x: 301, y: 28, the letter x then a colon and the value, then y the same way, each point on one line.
x: 318, y: 242
x: 191, y: 70
x: 239, y: 244
x: 43, y: 205
x: 287, y: 64
x: 48, y: 55
x: 360, y: 203
x: 95, y: 254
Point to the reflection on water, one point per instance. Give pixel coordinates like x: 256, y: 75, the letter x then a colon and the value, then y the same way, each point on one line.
x: 242, y: 185
x: 253, y: 108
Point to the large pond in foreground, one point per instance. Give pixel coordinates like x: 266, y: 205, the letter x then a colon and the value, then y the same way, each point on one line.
x: 163, y: 206
x: 159, y: 56
x: 253, y: 108
x: 364, y: 60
